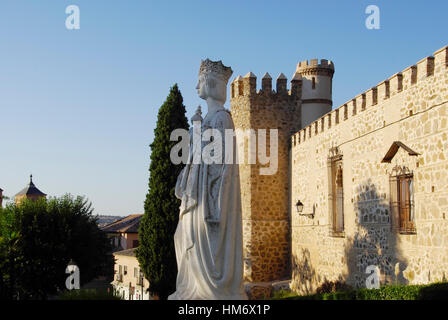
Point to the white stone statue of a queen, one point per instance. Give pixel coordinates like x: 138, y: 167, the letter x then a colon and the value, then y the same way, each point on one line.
x: 208, y: 238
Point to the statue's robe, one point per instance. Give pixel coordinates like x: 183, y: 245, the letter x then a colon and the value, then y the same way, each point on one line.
x: 208, y: 238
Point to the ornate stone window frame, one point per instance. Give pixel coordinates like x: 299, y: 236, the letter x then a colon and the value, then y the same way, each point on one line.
x: 335, y: 179
x: 402, y: 206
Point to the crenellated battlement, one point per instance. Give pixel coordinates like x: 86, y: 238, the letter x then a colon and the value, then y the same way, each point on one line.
x: 247, y: 86
x: 397, y: 84
x: 325, y: 67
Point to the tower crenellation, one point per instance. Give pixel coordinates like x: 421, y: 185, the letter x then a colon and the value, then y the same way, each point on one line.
x: 281, y: 84
x: 266, y: 84
x: 247, y: 86
x: 250, y: 84
x: 296, y: 85
x: 325, y: 67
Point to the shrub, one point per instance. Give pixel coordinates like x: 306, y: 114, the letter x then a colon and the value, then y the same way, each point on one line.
x: 340, y: 295
x: 394, y: 292
x: 39, y: 238
x: 434, y: 291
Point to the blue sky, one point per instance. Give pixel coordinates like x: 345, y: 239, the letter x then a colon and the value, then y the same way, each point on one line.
x: 78, y: 107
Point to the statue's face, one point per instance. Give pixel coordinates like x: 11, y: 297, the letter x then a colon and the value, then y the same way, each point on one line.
x: 201, y: 87
x: 209, y: 86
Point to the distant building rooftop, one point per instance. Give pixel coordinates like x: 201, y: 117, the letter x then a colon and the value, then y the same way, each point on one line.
x: 31, y: 190
x: 128, y: 224
x: 105, y: 220
x: 127, y: 252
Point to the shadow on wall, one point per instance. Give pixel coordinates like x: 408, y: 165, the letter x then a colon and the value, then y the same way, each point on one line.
x: 306, y: 278
x: 304, y: 274
x: 374, y: 243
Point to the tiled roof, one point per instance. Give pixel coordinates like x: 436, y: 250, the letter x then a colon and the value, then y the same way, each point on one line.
x: 31, y: 190
x: 127, y: 252
x: 128, y: 224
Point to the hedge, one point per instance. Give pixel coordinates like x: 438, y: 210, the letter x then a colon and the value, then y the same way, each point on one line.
x: 434, y: 291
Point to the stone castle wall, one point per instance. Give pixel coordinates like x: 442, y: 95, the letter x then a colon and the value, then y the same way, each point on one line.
x: 410, y: 107
x: 266, y: 225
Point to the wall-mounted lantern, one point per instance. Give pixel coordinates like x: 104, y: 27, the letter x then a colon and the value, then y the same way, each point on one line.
x: 299, y: 207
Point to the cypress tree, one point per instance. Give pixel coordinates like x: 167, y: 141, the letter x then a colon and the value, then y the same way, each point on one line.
x: 156, y: 253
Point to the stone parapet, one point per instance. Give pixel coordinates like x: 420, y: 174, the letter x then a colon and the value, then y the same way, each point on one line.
x: 400, y: 83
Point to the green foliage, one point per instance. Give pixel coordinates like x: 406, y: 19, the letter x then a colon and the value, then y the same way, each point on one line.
x: 333, y: 286
x: 340, y: 295
x: 156, y: 253
x: 8, y: 252
x: 88, y: 294
x: 282, y: 294
x: 434, y: 291
x: 393, y: 292
x: 38, y: 239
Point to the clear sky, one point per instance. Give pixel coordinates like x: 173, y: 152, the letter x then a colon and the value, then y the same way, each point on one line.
x: 78, y: 107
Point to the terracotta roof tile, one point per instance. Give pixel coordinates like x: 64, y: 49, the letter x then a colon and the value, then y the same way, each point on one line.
x: 128, y: 224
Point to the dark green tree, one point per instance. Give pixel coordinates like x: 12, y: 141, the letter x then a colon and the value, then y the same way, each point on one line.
x: 39, y: 238
x: 156, y: 253
x: 8, y: 253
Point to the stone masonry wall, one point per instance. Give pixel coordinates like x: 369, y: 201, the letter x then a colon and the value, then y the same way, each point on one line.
x: 266, y: 225
x: 411, y: 107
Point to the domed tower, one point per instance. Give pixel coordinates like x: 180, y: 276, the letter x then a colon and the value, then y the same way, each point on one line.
x: 317, y: 80
x: 29, y: 192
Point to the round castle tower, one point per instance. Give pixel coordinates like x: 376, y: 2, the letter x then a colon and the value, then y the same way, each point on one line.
x: 317, y: 81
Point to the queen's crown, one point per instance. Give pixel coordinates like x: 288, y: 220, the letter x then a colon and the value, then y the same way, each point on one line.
x: 217, y: 68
